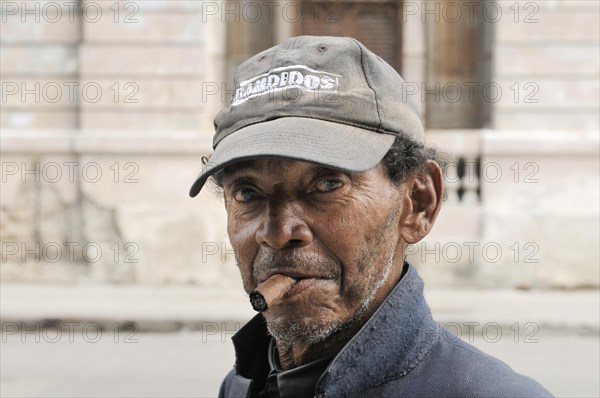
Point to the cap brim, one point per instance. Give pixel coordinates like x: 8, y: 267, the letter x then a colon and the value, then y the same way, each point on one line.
x: 334, y: 145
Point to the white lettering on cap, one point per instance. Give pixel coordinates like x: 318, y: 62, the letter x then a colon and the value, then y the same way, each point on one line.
x: 281, y: 78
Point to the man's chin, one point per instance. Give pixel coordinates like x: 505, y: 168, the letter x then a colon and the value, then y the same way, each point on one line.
x: 308, y: 330
x: 309, y: 327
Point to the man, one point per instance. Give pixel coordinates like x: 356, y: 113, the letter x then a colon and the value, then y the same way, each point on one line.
x: 326, y: 180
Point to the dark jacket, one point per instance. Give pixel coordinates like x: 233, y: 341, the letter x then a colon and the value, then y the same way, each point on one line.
x: 399, y: 352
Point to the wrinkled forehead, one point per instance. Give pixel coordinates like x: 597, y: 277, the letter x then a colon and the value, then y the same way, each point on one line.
x: 275, y: 168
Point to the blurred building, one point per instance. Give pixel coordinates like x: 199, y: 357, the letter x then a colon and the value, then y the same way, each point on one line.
x: 107, y: 110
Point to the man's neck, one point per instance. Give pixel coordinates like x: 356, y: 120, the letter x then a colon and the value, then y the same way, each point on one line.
x: 294, y: 355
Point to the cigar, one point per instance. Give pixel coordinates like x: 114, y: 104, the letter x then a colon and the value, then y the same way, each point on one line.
x: 270, y: 291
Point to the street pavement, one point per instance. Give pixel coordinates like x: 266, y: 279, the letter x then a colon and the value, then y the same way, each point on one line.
x: 144, y: 341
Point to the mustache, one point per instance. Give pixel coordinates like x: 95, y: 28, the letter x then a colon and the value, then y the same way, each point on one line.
x: 306, y: 262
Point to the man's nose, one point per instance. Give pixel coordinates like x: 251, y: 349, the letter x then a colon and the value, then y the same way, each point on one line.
x: 283, y: 225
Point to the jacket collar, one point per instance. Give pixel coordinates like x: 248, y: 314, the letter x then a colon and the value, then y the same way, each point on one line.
x: 390, y: 344
x: 251, y: 345
x: 397, y: 337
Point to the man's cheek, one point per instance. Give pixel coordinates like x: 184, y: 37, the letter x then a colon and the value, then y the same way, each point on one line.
x: 354, y: 291
x: 244, y: 252
x: 245, y: 255
x: 243, y: 242
x: 247, y: 279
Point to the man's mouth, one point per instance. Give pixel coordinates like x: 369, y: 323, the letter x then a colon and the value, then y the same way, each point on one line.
x: 301, y: 285
x: 271, y: 291
x: 291, y: 273
x: 280, y: 287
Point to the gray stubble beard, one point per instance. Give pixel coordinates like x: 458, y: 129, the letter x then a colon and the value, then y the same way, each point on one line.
x: 315, y: 333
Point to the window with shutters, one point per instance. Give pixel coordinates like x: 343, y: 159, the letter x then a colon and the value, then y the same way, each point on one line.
x: 245, y: 35
x: 458, y: 67
x: 375, y: 24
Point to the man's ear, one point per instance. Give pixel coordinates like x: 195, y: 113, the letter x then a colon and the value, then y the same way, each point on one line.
x: 422, y: 202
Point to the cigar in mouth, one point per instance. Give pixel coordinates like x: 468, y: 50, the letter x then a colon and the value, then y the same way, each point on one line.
x: 271, y: 291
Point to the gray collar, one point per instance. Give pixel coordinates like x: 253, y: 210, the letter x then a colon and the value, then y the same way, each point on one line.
x: 394, y: 341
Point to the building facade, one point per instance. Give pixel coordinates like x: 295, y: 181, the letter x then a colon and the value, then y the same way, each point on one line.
x: 107, y: 110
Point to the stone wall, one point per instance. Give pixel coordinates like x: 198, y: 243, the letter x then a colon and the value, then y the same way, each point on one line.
x: 124, y: 217
x: 106, y: 112
x: 536, y: 223
x: 94, y: 185
x: 551, y: 58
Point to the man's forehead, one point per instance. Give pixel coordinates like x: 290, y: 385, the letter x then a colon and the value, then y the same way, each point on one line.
x: 265, y: 167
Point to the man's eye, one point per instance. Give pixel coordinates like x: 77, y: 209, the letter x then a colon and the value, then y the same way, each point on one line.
x: 327, y: 185
x: 244, y: 194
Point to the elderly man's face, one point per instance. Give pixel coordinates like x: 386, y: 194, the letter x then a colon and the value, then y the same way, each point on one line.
x: 339, y: 233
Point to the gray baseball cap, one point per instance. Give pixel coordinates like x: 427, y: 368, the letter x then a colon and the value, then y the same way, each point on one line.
x: 324, y: 100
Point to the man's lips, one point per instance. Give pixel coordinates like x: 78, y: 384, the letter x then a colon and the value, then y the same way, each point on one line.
x: 304, y: 281
x: 301, y: 285
x: 292, y: 274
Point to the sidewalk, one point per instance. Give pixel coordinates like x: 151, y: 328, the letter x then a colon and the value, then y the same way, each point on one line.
x: 171, y: 308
